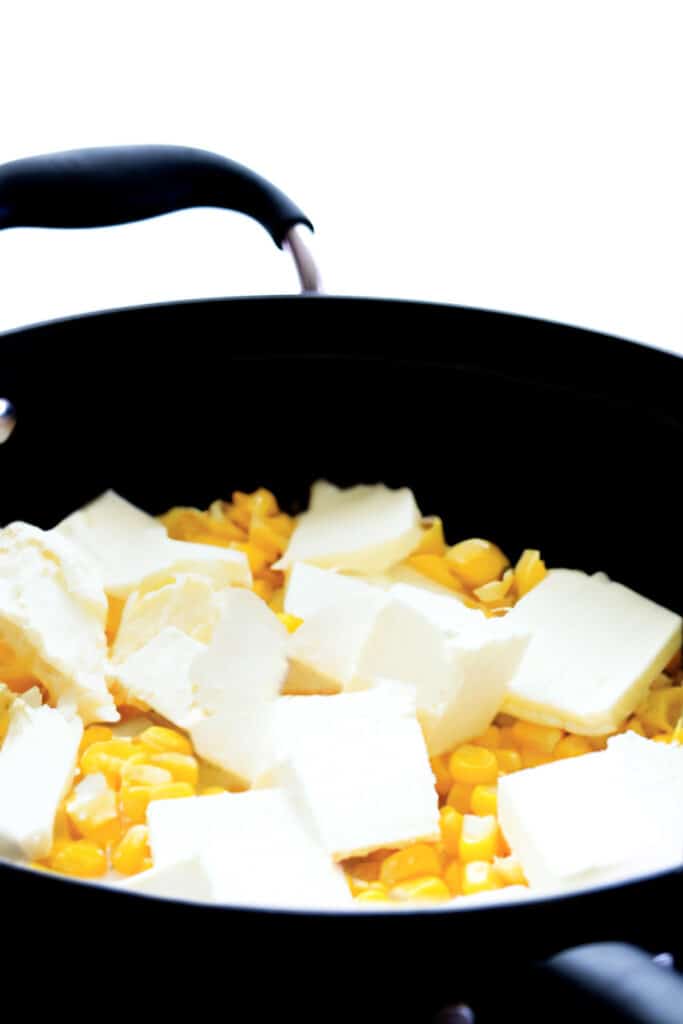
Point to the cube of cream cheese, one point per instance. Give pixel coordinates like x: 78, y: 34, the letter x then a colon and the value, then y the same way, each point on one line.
x: 236, y: 680
x: 458, y: 661
x: 255, y: 848
x: 160, y: 674
x: 358, y: 768
x: 132, y: 550
x: 190, y: 604
x: 52, y: 615
x: 367, y: 531
x: 37, y: 765
x: 595, y: 648
x: 596, y: 818
x: 182, y: 879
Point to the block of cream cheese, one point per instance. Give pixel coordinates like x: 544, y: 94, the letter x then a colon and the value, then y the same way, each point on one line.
x: 185, y: 879
x: 326, y: 650
x: 133, y: 551
x: 363, y: 775
x: 52, y: 615
x: 596, y: 818
x: 311, y: 589
x: 366, y: 531
x: 237, y: 680
x: 37, y: 764
x: 160, y: 675
x: 255, y: 847
x: 190, y: 604
x: 595, y: 648
x: 458, y: 661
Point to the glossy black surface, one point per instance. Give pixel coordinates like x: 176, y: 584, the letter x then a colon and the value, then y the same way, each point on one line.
x: 529, y: 433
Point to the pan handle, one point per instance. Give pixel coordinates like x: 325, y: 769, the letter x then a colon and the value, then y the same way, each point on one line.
x: 85, y: 188
x: 612, y: 981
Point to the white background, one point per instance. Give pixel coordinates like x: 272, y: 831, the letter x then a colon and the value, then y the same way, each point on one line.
x: 519, y: 156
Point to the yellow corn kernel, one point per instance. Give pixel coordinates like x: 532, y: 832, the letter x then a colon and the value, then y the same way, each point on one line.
x: 425, y: 889
x: 541, y: 738
x: 534, y: 759
x: 133, y: 801
x: 263, y: 589
x: 95, y: 734
x: 290, y: 622
x: 62, y: 826
x: 479, y: 876
x: 432, y: 541
x: 160, y: 740
x: 181, y: 767
x: 598, y: 742
x: 675, y: 664
x: 262, y: 535
x: 212, y: 791
x: 172, y: 791
x: 508, y: 760
x: 509, y: 870
x: 473, y: 765
x: 107, y: 757
x: 97, y: 820
x: 442, y: 776
x: 129, y: 856
x: 257, y: 558
x: 507, y: 737
x: 529, y: 571
x: 262, y: 502
x: 663, y: 737
x: 142, y: 774
x: 114, y: 613
x: 450, y: 823
x: 490, y: 738
x: 418, y: 859
x: 459, y: 796
x: 282, y: 524
x: 476, y: 561
x: 496, y: 591
x: 478, y: 838
x: 372, y: 895
x: 363, y: 871
x: 452, y: 876
x: 81, y: 858
x: 484, y: 800
x: 571, y: 746
x: 662, y: 709
x: 635, y: 725
x: 434, y: 567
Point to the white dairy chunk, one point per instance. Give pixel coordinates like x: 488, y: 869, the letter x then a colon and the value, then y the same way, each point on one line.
x: 311, y: 589
x: 255, y: 847
x: 595, y: 648
x: 363, y: 774
x: 37, y: 764
x: 237, y: 680
x: 160, y: 674
x: 190, y: 604
x: 52, y: 614
x: 596, y: 818
x: 458, y: 661
x: 444, y: 610
x: 367, y: 531
x: 133, y: 551
x: 326, y: 650
x: 182, y: 879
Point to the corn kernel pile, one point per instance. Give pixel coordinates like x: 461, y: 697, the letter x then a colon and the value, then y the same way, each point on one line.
x: 108, y: 832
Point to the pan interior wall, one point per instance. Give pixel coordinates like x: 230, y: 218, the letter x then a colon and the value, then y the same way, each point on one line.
x: 181, y: 405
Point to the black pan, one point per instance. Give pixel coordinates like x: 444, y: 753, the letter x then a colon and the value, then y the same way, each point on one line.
x: 532, y: 433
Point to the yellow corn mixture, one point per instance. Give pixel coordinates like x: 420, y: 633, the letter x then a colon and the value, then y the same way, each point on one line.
x: 471, y: 856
